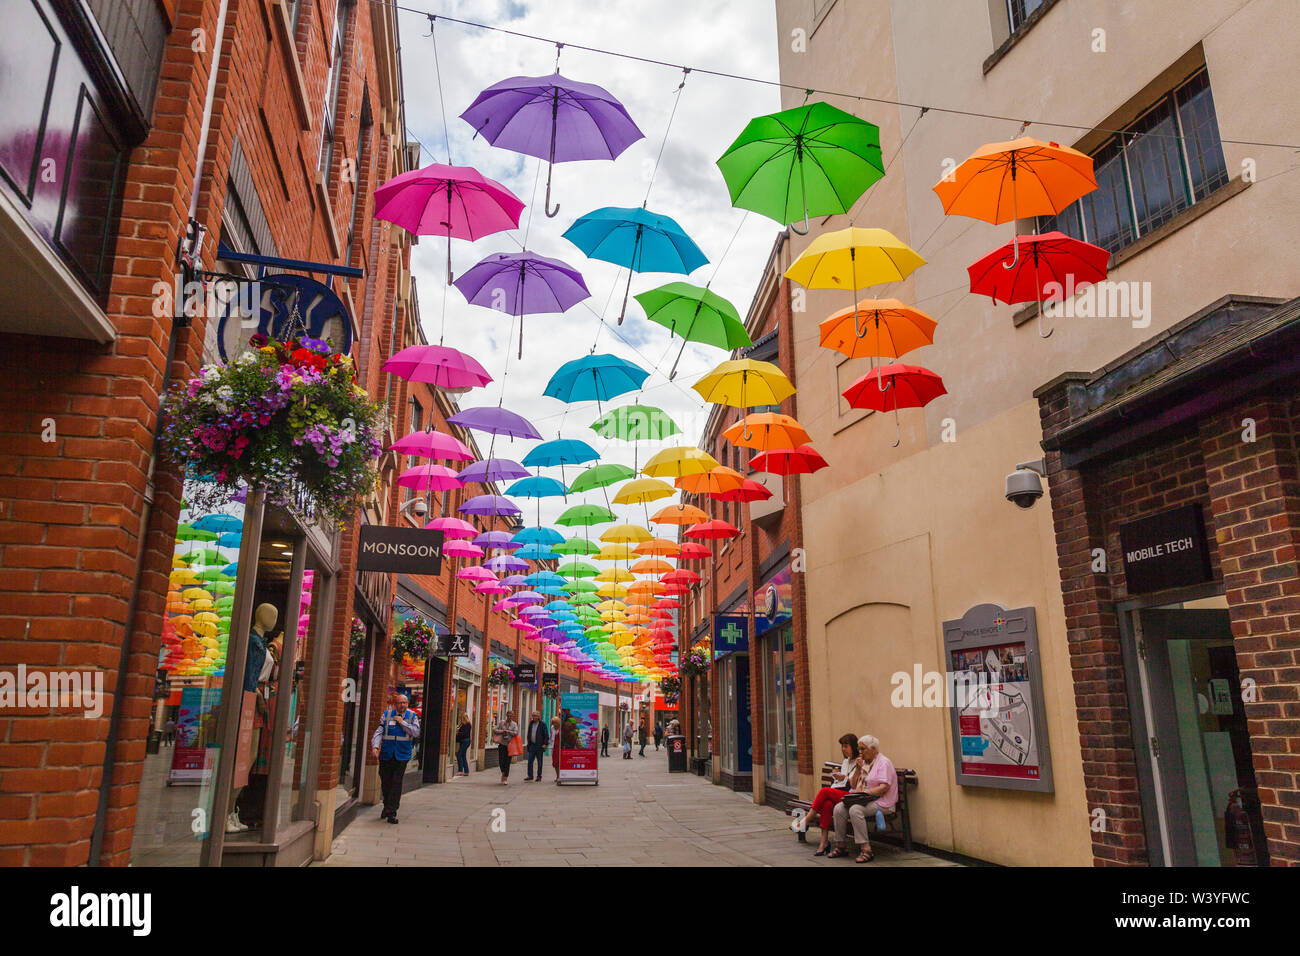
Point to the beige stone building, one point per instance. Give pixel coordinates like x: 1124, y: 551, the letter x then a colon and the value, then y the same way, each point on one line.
x: 899, y: 540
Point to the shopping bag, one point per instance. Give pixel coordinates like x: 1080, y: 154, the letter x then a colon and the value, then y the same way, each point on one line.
x: 516, y: 746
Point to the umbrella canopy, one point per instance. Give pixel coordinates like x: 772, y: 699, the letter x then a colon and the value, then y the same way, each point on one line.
x: 536, y: 552
x: 853, y: 259
x: 716, y: 479
x: 749, y: 490
x: 877, y: 327
x: 615, y: 552
x: 679, y: 514
x: 496, y: 539
x: 546, y: 536
x: 561, y: 451
x: 186, y: 532
x: 426, y: 477
x: 576, y: 546
x: 659, y: 547
x: 764, y: 430
x: 522, y: 283
x: 218, y: 523
x: 893, y: 387
x: 599, y: 476
x: 537, y: 486
x: 693, y: 551
x: 461, y: 549
x: 651, y: 565
x: 1016, y: 179
x: 813, y: 160
x: 803, y: 460
x: 553, y: 118
x: 680, y: 576
x: 432, y: 445
x: 625, y: 533
x: 695, y: 314
x: 437, y: 365
x: 494, y: 420
x: 744, y: 383
x: 679, y: 461
x: 492, y: 469
x: 710, y: 530
x: 595, y: 378
x: 505, y: 563
x: 1026, y: 274
x: 642, y: 490
x: 641, y: 240
x: 488, y: 505
x: 585, y: 516
x: 475, y: 573
x: 635, y: 423
x: 452, y: 527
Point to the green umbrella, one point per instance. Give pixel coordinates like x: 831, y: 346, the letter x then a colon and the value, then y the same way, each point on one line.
x: 578, y: 569
x: 187, y: 532
x: 635, y: 423
x: 214, y: 574
x: 697, y: 315
x: 813, y: 160
x: 206, y: 556
x: 586, y: 593
x: 585, y: 515
x: 599, y: 476
x: 578, y: 545
x: 223, y: 587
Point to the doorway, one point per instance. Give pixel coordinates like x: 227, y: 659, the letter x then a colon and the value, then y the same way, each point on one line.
x: 1199, y: 792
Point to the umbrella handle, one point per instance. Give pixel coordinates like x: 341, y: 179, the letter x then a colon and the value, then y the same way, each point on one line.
x: 800, y: 232
x: 1040, y: 323
x: 673, y: 373
x: 898, y: 431
x: 628, y: 289
x: 748, y: 433
x: 546, y: 207
x: 521, y: 336
x: 1015, y: 236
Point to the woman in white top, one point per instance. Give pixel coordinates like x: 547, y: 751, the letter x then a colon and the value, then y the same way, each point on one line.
x: 504, y: 732
x: 823, y: 805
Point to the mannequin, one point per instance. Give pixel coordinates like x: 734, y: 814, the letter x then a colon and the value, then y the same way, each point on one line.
x: 257, y: 668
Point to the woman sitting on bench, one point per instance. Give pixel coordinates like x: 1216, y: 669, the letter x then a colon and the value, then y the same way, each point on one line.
x: 874, y: 788
x: 823, y: 805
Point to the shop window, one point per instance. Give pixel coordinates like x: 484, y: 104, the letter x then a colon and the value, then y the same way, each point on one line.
x: 329, y: 114
x: 779, y: 709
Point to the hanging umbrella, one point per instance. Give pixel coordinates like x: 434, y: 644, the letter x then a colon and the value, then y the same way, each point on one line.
x: 642, y: 241
x: 679, y: 514
x: 615, y: 552
x: 692, y: 551
x: 813, y: 160
x: 536, y: 552
x: 437, y: 365
x: 1023, y: 177
x: 711, y: 530
x: 635, y: 423
x: 561, y: 451
x: 585, y: 516
x: 432, y: 444
x: 764, y: 430
x: 494, y: 420
x: 522, y: 283
x: 697, y: 315
x: 894, y: 387
x: 546, y: 536
x: 720, y: 478
x: 488, y: 505
x: 659, y: 547
x: 577, y: 569
x: 680, y: 576
x: 505, y: 564
x: 461, y: 549
x: 625, y: 533
x: 884, y: 328
x: 643, y: 490
x: 458, y: 202
x: 452, y: 527
x: 573, y: 546
x: 600, y: 476
x: 229, y: 539
x: 492, y: 469
x: 853, y: 259
x: 429, y: 477
x: 218, y: 523
x: 803, y: 460
x: 497, y: 540
x: 1050, y: 258
x: 537, y: 486
x: 595, y: 378
x: 679, y: 461
x: 651, y: 565
x: 750, y: 490
x: 744, y: 383
x: 475, y: 573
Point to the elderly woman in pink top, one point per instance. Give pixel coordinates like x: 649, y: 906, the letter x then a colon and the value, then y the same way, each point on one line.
x: 874, y: 777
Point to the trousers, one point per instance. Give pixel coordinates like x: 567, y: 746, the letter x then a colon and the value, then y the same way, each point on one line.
x: 824, y: 804
x: 535, y: 752
x: 391, y: 775
x: 462, y: 748
x: 504, y: 758
x: 858, y: 814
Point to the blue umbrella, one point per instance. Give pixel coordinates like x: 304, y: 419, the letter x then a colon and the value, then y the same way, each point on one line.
x: 230, y: 539
x: 537, y: 486
x: 595, y: 378
x: 561, y: 451
x: 536, y: 552
x: 553, y: 589
x: 544, y: 536
x: 642, y: 241
x: 218, y: 523
x: 232, y: 568
x: 543, y: 577
x: 558, y: 606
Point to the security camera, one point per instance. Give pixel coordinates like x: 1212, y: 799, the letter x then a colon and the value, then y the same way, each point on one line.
x: 1025, y: 484
x: 416, y: 506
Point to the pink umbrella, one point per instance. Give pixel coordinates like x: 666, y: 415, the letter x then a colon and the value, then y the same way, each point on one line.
x: 461, y: 549
x: 425, y: 477
x: 437, y: 365
x: 493, y: 587
x: 519, y: 625
x: 475, y: 573
x: 452, y: 527
x: 432, y: 445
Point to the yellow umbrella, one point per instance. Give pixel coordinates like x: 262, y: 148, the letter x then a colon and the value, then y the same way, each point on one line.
x: 204, y: 628
x: 614, y: 552
x: 641, y: 490
x: 191, y: 593
x: 853, y: 259
x: 621, y: 639
x: 181, y: 577
x: 612, y: 617
x: 179, y: 562
x: 612, y: 590
x: 614, y: 575
x: 202, y: 604
x: 626, y: 533
x: 207, y: 616
x: 744, y: 383
x: 611, y: 606
x: 675, y: 462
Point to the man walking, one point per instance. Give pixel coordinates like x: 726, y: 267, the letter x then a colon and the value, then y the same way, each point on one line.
x: 659, y: 733
x: 604, y: 741
x: 391, y: 746
x: 536, y: 739
x: 643, y: 737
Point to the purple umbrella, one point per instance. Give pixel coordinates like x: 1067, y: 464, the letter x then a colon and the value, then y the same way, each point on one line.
x: 516, y: 581
x: 488, y: 505
x: 522, y: 283
x: 496, y: 421
x: 498, y: 539
x: 505, y: 562
x: 553, y: 118
x: 492, y: 469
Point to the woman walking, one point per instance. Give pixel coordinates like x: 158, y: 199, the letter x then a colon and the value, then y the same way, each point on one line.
x: 464, y: 730
x: 627, y: 741
x: 504, y: 732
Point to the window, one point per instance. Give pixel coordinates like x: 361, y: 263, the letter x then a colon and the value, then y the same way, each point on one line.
x: 1168, y: 159
x: 329, y: 116
x: 1018, y: 11
x: 358, y: 181
x: 417, y: 416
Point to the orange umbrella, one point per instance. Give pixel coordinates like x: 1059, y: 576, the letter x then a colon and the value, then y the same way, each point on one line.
x: 661, y: 547
x: 767, y: 430
x: 651, y: 566
x: 679, y: 514
x: 646, y: 587
x: 875, y: 327
x: 714, y: 480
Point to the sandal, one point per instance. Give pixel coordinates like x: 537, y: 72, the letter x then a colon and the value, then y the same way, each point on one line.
x: 866, y: 856
x: 821, y: 852
x: 836, y: 852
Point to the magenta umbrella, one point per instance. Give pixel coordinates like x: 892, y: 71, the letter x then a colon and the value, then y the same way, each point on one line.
x: 432, y: 445
x: 461, y: 549
x: 491, y: 587
x: 426, y: 477
x: 458, y: 202
x: 475, y: 573
x: 439, y: 365
x: 452, y: 527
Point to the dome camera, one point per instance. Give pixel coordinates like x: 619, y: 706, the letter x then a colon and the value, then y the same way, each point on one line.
x: 1025, y: 484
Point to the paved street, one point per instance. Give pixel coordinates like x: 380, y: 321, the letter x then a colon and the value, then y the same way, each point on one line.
x: 638, y: 815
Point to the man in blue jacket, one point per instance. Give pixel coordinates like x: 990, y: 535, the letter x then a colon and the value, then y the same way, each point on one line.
x: 391, y: 745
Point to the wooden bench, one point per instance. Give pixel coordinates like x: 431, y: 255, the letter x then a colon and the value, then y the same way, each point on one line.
x: 898, y: 825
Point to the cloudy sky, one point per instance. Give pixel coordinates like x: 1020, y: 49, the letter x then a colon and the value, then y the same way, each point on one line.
x: 736, y: 36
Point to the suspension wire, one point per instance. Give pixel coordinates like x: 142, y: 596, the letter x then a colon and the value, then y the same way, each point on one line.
x: 437, y: 69
x: 677, y: 98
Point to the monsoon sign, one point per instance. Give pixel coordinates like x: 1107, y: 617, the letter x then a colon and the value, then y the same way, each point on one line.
x: 408, y: 550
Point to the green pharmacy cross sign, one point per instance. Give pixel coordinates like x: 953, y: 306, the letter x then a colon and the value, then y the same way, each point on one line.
x: 730, y: 634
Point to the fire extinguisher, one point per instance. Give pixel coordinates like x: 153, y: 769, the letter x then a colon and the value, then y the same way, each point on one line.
x: 1236, y: 826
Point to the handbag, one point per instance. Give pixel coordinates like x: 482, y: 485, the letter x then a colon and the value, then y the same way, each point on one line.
x: 853, y: 799
x: 516, y: 746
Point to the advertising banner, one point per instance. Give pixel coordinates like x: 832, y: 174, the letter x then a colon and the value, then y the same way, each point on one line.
x: 579, y: 735
x: 195, y: 733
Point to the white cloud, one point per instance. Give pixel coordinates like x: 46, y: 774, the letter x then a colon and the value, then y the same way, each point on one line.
x: 737, y: 37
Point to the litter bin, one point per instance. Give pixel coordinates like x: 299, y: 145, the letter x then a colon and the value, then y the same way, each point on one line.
x: 677, y: 754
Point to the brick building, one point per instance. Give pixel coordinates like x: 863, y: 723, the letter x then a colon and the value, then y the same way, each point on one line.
x: 756, y: 697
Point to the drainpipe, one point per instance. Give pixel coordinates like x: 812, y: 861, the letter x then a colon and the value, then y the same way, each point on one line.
x: 190, y: 247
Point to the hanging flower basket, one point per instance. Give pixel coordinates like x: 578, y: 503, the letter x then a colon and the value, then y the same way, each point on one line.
x: 356, y: 637
x: 551, y: 692
x: 414, y: 638
x: 500, y: 674
x: 671, y: 686
x: 697, y: 661
x: 285, y: 416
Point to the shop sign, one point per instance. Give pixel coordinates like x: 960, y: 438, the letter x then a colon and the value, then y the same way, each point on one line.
x: 730, y: 634
x: 282, y: 306
x: 525, y: 673
x: 408, y: 550
x: 551, y: 680
x: 1165, y: 550
x: 452, y: 645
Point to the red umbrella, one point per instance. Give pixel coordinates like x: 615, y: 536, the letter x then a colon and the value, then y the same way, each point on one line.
x: 680, y: 576
x: 1050, y: 258
x: 751, y: 490
x: 693, y: 551
x: 893, y: 387
x: 803, y: 460
x: 668, y: 604
x: 712, y: 529
x: 677, y: 588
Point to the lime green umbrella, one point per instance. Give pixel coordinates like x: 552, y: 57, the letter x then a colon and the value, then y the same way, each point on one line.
x: 206, y: 556
x: 578, y: 569
x: 585, y: 516
x: 813, y: 160
x: 215, y: 574
x: 577, y: 545
x: 635, y: 423
x: 599, y: 476
x: 223, y: 587
x: 187, y: 532
x: 697, y: 315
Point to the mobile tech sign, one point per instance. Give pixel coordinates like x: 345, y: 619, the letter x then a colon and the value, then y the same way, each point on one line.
x: 405, y: 550
x: 1165, y: 550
